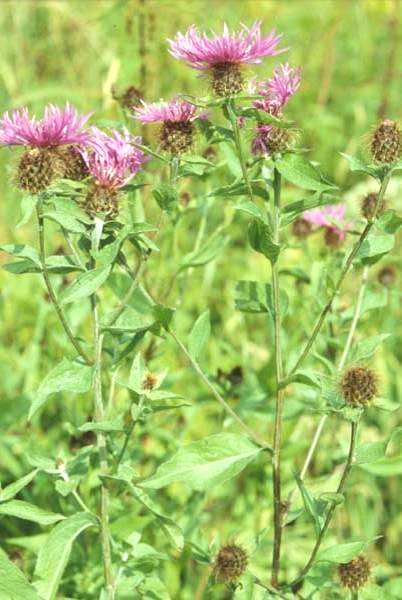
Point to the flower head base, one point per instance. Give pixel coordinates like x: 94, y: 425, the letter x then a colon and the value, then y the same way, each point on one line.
x: 355, y: 574
x: 37, y: 169
x: 359, y: 386
x: 112, y: 160
x: 176, y: 116
x: 59, y: 126
x: 386, y: 142
x: 230, y: 563
x: 332, y: 218
x: 272, y: 140
x: 223, y: 54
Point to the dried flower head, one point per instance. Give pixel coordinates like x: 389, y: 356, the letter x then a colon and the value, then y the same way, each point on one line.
x: 385, y: 143
x: 223, y: 55
x: 301, y: 227
x: 176, y: 117
x: 332, y: 218
x: 112, y: 161
x: 369, y: 206
x: 387, y: 276
x: 355, y: 574
x: 359, y: 386
x: 230, y: 563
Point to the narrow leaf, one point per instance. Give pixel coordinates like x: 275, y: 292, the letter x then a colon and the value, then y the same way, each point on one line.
x: 85, y: 285
x: 199, y: 335
x: 13, y: 583
x: 29, y: 512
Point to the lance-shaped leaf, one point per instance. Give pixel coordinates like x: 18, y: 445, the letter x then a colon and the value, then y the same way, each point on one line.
x: 199, y: 335
x: 85, y: 285
x: 29, y: 512
x: 13, y: 583
x: 299, y: 171
x: 205, y: 463
x: 12, y: 490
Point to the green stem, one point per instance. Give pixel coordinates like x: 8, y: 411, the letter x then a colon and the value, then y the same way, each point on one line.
x: 217, y: 395
x: 276, y: 460
x: 340, y: 490
x: 51, y: 292
x: 100, y: 436
x: 342, y: 276
x: 239, y: 147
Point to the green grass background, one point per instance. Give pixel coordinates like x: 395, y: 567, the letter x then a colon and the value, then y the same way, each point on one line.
x: 53, y: 51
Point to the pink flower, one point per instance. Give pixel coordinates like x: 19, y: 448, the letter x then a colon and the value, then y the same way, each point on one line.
x: 331, y: 216
x: 112, y: 160
x: 277, y: 91
x: 58, y: 126
x: 175, y: 111
x: 245, y: 46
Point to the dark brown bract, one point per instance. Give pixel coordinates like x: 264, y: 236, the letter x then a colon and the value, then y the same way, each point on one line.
x: 227, y: 79
x: 355, y: 574
x: 176, y: 137
x: 38, y: 168
x: 230, y: 563
x: 103, y: 201
x: 386, y: 142
x: 359, y: 386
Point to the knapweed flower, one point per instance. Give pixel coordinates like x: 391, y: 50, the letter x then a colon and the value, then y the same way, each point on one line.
x: 355, y: 574
x: 275, y: 94
x: 230, y: 563
x: 222, y: 55
x: 385, y: 144
x: 112, y: 161
x: 176, y: 118
x: 332, y: 218
x: 359, y: 386
x: 49, y: 142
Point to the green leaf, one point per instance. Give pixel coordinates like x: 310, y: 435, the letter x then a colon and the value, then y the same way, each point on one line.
x: 369, y: 452
x: 299, y: 171
x: 22, y: 251
x: 304, y: 377
x: 389, y: 222
x: 374, y: 247
x: 260, y: 239
x: 208, y: 252
x: 28, y: 204
x: 106, y: 426
x: 251, y: 209
x: 12, y: 490
x: 366, y: 348
x: 85, y: 285
x: 205, y: 463
x: 66, y: 220
x: 29, y: 512
x: 341, y: 553
x: 355, y: 164
x: 163, y: 314
x: 291, y: 211
x: 315, y: 508
x: 54, y: 554
x: 253, y: 297
x: 199, y: 335
x: 62, y: 264
x: 166, y: 196
x: 13, y: 583
x: 385, y: 467
x: 66, y: 376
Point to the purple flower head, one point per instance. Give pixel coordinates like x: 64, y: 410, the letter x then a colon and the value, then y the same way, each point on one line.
x: 245, y: 46
x: 331, y: 217
x: 277, y: 91
x: 175, y: 111
x: 59, y: 126
x: 112, y: 160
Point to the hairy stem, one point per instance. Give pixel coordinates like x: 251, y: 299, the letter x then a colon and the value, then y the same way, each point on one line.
x: 100, y: 436
x: 217, y: 395
x: 276, y: 476
x: 348, y: 264
x: 239, y: 149
x: 340, y: 490
x: 51, y: 292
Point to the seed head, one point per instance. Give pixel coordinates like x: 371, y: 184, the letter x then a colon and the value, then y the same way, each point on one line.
x: 387, y: 276
x: 386, y: 142
x: 230, y: 563
x: 355, y: 574
x: 37, y: 169
x: 101, y: 200
x: 301, y: 228
x: 359, y: 386
x: 369, y: 205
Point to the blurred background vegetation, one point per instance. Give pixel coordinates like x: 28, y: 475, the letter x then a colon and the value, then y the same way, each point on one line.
x: 58, y: 50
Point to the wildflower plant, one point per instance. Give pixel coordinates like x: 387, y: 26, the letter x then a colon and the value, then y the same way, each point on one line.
x: 96, y: 186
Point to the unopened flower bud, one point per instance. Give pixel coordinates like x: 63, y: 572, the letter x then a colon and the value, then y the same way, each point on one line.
x: 386, y: 142
x: 230, y: 563
x: 387, y: 276
x: 355, y: 574
x: 369, y: 206
x: 301, y: 228
x: 101, y: 200
x: 359, y: 386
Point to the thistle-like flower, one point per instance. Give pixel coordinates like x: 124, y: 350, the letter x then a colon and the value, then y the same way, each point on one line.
x: 223, y: 55
x: 112, y: 161
x: 275, y: 94
x: 230, y: 563
x: 359, y: 386
x: 332, y: 218
x: 50, y: 144
x: 355, y: 574
x: 176, y: 118
x: 386, y: 141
